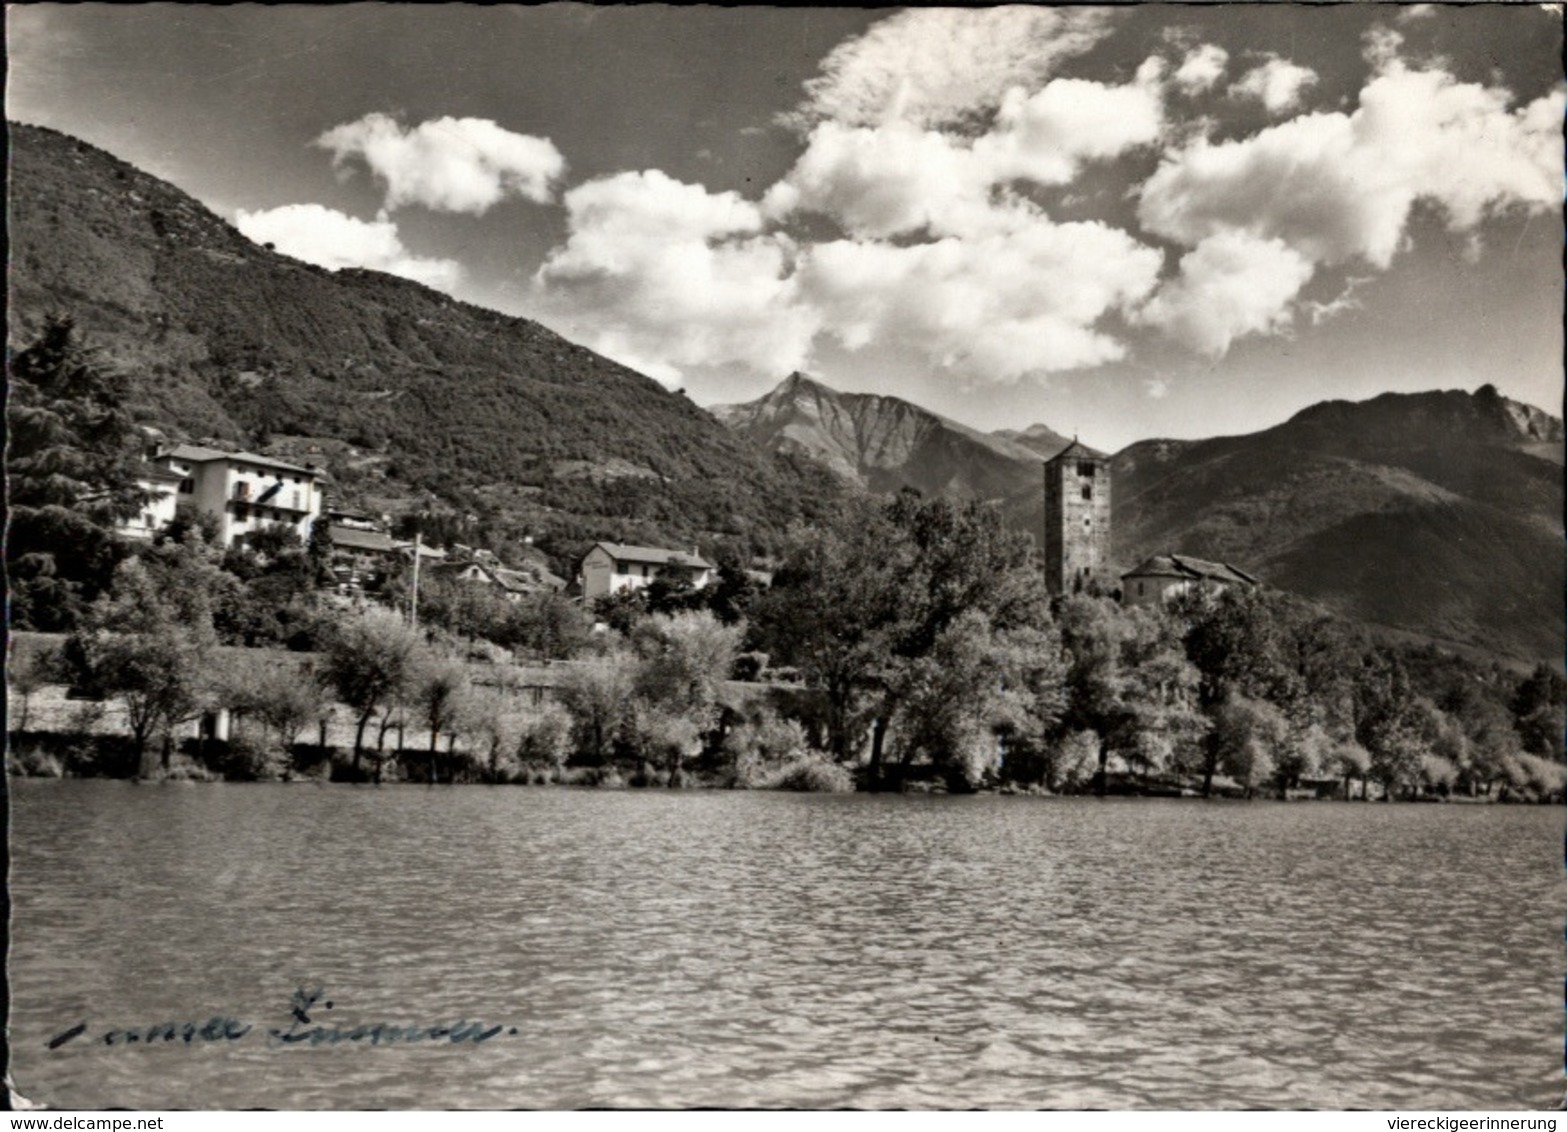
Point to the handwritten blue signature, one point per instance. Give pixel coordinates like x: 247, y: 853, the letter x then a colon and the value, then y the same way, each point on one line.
x: 302, y: 1031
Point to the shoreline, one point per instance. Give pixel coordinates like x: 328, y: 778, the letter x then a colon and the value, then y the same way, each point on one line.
x: 188, y: 768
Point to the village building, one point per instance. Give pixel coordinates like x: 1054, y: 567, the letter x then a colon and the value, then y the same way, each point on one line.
x: 610, y: 567
x: 160, y: 485
x: 243, y: 491
x: 363, y: 558
x: 513, y: 585
x: 1077, y: 521
x: 1166, y: 576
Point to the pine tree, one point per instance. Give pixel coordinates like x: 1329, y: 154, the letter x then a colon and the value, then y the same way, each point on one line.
x: 70, y: 461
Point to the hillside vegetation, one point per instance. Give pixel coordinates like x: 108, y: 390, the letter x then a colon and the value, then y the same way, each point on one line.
x: 1439, y: 513
x: 410, y: 398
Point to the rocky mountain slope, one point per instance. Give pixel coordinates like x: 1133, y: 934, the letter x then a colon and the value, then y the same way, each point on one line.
x: 410, y: 398
x: 885, y: 444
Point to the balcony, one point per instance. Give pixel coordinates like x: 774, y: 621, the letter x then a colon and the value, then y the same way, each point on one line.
x: 294, y: 500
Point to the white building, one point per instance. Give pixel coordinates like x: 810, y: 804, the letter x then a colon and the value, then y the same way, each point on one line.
x: 161, y: 486
x: 243, y: 491
x: 611, y: 567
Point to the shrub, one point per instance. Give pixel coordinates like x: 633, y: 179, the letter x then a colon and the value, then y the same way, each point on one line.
x: 248, y: 760
x: 185, y: 769
x: 33, y: 761
x: 1438, y: 772
x: 813, y: 773
x: 1539, y: 778
x: 1073, y: 761
x: 546, y: 738
x: 756, y: 748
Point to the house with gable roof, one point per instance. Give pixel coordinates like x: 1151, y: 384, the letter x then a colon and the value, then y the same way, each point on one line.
x: 611, y: 567
x: 1165, y: 576
x: 243, y: 491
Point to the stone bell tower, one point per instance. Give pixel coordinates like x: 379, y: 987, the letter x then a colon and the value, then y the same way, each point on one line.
x: 1077, y: 520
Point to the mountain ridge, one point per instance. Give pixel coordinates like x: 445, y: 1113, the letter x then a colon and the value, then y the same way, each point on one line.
x: 885, y: 443
x: 1436, y: 513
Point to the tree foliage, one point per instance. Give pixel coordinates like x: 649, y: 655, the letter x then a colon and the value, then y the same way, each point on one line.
x: 368, y: 661
x: 147, y: 645
x: 71, y: 477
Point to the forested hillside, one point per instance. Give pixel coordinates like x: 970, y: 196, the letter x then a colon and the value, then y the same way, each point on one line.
x: 412, y: 399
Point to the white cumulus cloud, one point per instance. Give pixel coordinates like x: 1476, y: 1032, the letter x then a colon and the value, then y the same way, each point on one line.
x: 1022, y: 297
x: 331, y: 239
x: 1231, y: 284
x: 1046, y: 137
x: 662, y: 274
x: 1337, y: 186
x: 899, y: 177
x: 877, y: 181
x: 940, y: 66
x: 448, y: 164
x: 1201, y: 68
x: 1330, y: 188
x: 1278, y: 84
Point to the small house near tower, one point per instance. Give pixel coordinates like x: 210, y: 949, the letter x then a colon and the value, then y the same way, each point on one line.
x: 1077, y: 521
x: 1167, y: 576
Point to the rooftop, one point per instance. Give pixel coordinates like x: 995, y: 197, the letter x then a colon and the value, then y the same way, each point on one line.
x: 356, y: 538
x: 198, y: 454
x: 654, y: 555
x: 157, y: 473
x: 1077, y: 449
x: 1184, y: 566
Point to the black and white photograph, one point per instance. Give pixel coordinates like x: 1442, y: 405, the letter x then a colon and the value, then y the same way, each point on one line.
x: 584, y: 557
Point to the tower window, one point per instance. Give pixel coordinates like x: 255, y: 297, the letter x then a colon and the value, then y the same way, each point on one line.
x: 1088, y: 491
x: 1085, y: 468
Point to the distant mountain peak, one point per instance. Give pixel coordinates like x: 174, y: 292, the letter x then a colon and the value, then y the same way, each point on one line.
x: 886, y: 443
x: 1040, y: 438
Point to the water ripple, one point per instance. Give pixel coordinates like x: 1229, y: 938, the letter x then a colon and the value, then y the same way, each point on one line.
x: 673, y: 950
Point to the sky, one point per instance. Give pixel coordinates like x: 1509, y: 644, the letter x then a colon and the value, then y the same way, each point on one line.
x: 1146, y: 221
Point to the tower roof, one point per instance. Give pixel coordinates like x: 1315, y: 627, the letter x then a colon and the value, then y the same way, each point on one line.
x: 1074, y: 451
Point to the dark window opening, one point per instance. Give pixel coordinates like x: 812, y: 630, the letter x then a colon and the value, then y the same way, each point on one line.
x: 1088, y: 491
x: 1085, y: 468
x: 187, y: 486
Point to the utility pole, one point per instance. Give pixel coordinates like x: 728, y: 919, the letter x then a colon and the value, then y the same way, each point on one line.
x: 413, y: 596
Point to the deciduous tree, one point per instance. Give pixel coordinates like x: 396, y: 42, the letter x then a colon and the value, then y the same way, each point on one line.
x: 368, y: 661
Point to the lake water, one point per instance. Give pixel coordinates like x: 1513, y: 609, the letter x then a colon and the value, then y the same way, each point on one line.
x: 668, y: 949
